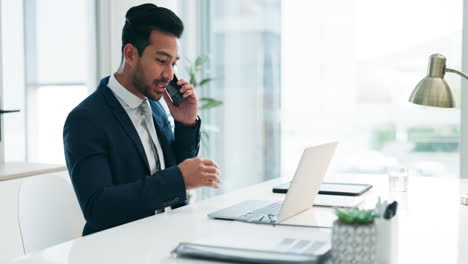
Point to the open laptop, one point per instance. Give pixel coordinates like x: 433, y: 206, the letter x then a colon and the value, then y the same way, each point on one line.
x: 300, y: 197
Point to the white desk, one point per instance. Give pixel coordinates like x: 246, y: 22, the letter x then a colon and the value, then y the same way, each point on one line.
x: 430, y: 227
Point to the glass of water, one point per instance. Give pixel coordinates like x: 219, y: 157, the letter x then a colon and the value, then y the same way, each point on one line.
x: 398, y: 179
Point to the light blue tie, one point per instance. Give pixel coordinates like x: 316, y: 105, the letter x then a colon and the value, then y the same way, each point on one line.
x: 145, y: 122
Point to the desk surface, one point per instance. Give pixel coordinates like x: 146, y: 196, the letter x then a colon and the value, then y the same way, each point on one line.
x: 431, y: 226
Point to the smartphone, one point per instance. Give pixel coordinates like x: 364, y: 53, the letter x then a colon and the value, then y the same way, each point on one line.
x: 174, y: 91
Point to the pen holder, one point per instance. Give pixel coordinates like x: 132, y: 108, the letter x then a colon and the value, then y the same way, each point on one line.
x: 354, y: 243
x: 365, y: 243
x: 387, y: 240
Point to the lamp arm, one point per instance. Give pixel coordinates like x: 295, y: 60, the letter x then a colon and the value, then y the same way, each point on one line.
x: 457, y: 72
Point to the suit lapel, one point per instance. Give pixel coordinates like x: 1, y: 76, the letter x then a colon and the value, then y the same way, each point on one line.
x: 124, y: 120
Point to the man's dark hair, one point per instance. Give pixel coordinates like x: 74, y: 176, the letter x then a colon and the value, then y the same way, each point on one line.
x: 141, y: 20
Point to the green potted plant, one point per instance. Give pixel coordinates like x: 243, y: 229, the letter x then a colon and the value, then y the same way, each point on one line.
x: 194, y: 70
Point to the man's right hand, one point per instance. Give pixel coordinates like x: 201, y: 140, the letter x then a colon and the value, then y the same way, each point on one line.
x: 198, y: 172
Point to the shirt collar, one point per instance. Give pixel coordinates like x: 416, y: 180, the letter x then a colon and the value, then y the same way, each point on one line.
x: 127, y: 97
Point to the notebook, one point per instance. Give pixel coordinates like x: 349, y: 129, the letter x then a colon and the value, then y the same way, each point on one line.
x: 283, y: 246
x: 302, y: 252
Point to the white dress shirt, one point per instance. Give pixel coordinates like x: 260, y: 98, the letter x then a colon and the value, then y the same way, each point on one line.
x: 131, y: 103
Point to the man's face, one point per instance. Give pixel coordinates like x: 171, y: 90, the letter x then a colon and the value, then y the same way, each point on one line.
x: 155, y: 68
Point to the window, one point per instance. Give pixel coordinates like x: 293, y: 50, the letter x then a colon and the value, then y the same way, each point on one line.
x: 13, y: 93
x: 354, y: 65
x: 60, y: 71
x: 243, y: 42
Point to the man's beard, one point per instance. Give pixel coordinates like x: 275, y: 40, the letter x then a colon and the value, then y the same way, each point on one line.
x: 140, y: 85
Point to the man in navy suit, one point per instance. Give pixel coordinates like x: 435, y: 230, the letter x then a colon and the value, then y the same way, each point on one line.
x: 123, y: 157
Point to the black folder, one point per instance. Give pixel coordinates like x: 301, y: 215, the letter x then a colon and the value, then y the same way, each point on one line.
x: 333, y: 188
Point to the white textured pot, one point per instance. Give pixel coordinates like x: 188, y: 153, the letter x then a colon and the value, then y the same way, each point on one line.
x: 353, y: 243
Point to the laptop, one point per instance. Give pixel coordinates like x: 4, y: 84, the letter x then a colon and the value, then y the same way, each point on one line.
x: 300, y: 197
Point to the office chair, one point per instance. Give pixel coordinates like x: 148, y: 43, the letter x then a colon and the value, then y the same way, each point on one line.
x: 48, y: 211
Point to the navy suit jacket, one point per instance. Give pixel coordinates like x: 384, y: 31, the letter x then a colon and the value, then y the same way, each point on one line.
x: 108, y: 165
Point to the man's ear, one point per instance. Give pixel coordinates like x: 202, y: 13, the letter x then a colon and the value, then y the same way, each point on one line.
x: 130, y: 53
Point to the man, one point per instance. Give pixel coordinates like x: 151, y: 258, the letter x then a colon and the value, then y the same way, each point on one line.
x: 124, y: 160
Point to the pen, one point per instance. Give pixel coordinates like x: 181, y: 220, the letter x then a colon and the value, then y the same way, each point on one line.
x: 380, y: 206
x: 390, y: 211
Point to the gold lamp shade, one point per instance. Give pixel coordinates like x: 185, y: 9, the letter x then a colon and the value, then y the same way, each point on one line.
x: 433, y: 90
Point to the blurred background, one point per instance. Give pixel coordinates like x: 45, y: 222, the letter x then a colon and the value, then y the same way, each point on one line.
x: 289, y: 74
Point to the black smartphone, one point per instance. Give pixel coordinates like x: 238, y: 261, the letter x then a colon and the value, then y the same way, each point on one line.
x: 174, y: 91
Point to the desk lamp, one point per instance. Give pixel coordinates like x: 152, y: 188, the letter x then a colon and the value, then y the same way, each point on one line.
x: 434, y: 91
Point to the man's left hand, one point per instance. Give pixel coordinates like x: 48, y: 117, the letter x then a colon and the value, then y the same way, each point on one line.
x: 186, y: 111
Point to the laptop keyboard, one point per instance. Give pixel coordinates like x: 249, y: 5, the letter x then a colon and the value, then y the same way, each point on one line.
x: 271, y: 210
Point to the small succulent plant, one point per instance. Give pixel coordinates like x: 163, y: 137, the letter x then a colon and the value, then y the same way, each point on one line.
x: 356, y: 216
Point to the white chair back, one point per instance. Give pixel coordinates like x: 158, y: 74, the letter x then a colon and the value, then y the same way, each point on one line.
x: 48, y: 211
